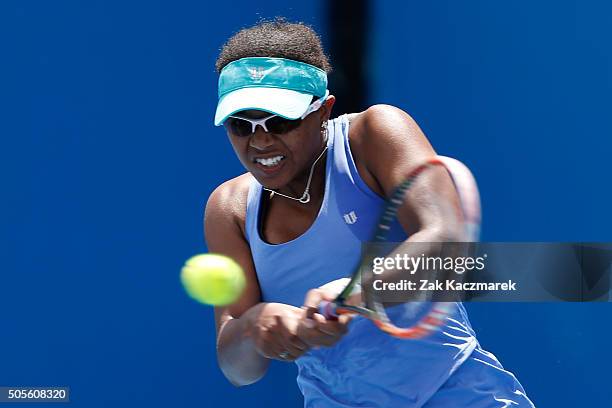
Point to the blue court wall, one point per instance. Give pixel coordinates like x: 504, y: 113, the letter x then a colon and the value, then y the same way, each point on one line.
x: 520, y: 91
x: 108, y: 154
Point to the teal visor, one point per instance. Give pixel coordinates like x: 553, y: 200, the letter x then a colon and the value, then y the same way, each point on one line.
x: 276, y: 85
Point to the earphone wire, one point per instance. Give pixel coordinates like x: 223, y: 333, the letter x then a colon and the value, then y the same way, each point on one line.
x: 305, y: 198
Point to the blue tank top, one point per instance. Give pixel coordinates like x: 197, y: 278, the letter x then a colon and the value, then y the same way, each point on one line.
x: 366, y: 367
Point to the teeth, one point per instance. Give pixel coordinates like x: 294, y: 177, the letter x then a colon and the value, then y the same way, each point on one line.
x: 270, y: 161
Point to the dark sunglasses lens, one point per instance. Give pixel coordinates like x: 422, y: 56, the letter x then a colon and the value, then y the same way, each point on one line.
x: 239, y: 127
x: 279, y: 126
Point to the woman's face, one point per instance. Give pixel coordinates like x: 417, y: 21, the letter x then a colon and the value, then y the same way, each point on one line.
x: 275, y: 160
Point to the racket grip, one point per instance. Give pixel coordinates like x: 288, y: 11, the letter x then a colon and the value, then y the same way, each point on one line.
x: 328, y: 309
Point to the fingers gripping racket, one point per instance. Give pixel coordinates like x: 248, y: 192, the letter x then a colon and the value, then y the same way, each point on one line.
x: 437, y: 312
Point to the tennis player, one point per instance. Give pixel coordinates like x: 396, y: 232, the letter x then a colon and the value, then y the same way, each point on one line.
x: 296, y: 219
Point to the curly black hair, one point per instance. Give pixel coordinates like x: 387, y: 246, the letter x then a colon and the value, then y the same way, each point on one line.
x: 277, y: 38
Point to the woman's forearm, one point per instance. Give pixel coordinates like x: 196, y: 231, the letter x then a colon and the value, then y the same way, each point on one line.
x: 238, y: 358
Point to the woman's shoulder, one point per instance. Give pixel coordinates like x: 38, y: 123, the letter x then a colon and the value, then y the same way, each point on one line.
x: 228, y: 202
x: 376, y: 114
x: 384, y: 138
x: 380, y: 124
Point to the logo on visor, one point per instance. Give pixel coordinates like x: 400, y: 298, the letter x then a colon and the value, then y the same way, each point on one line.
x: 256, y: 73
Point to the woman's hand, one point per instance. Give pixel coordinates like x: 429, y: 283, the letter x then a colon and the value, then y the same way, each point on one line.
x: 314, y: 329
x: 274, y: 331
x: 284, y: 332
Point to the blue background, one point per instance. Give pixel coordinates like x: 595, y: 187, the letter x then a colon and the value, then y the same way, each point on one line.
x: 108, y: 155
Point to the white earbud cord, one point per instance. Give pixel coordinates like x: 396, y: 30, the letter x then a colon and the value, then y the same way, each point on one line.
x: 305, y: 198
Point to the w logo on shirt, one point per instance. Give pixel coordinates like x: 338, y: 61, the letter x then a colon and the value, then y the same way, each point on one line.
x: 350, y: 218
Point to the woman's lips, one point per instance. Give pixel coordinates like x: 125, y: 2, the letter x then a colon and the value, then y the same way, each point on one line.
x: 270, y: 170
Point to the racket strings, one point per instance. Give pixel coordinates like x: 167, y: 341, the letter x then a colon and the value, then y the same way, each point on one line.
x: 396, y: 200
x: 434, y: 313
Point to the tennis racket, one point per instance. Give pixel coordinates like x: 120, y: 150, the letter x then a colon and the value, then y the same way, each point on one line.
x: 435, y: 313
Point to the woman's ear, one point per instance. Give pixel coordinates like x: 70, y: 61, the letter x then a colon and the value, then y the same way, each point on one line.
x: 326, y: 108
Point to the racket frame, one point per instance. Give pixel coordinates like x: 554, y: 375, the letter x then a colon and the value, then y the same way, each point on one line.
x: 469, y: 198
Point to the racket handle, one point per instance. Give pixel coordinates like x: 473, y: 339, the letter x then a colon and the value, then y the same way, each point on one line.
x: 328, y: 309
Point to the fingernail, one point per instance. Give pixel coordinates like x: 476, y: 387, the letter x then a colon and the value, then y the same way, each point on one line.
x: 309, y: 323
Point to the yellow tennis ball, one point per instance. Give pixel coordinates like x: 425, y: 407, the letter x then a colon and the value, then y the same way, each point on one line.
x: 213, y: 279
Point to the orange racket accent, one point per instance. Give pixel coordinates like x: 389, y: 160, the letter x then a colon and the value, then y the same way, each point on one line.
x: 469, y: 198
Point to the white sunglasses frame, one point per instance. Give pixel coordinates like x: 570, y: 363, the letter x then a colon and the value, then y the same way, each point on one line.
x: 262, y: 122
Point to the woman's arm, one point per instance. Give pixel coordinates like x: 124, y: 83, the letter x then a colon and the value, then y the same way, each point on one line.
x: 432, y: 213
x: 236, y: 353
x: 400, y: 146
x: 249, y: 332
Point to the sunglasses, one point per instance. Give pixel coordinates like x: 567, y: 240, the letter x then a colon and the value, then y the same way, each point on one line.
x: 243, y: 127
